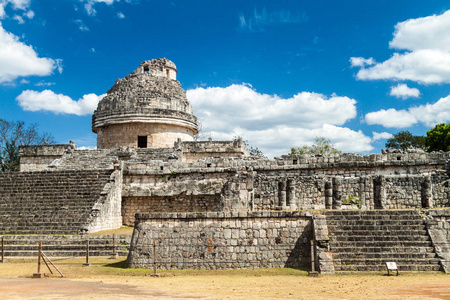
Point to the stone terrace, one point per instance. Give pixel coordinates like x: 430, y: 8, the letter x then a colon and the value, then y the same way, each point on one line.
x: 366, y: 240
x: 49, y: 202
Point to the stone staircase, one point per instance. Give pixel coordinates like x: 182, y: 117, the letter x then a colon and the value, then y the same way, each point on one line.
x: 60, y: 246
x: 366, y: 240
x: 58, y: 202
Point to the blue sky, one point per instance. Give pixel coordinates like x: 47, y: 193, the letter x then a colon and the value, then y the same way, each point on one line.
x: 277, y: 73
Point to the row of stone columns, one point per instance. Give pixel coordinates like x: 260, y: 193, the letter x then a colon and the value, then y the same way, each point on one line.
x: 334, y: 193
x: 286, y: 195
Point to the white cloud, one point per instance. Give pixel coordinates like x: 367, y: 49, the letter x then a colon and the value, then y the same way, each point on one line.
x: 428, y: 114
x: 15, y: 5
x: 423, y: 66
x: 81, y: 25
x: 29, y: 14
x: 427, y: 60
x: 18, y: 59
x: 260, y: 19
x: 361, y: 61
x: 43, y: 83
x: 58, y: 103
x: 391, y: 118
x: 423, y: 33
x: 120, y: 15
x: 381, y: 136
x: 19, y: 19
x: 404, y: 92
x: 274, y: 124
x: 89, y: 6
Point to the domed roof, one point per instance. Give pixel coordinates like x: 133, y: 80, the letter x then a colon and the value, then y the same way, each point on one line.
x: 148, y: 94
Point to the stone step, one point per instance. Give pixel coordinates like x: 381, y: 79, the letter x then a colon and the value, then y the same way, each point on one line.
x: 378, y: 268
x: 372, y: 212
x: 374, y: 238
x: 366, y: 222
x: 403, y: 232
x: 382, y: 261
x: 79, y: 247
x: 376, y: 228
x: 64, y: 242
x: 386, y: 256
x: 379, y: 244
x: 56, y: 253
x: 372, y: 217
x: 381, y: 249
x: 66, y: 237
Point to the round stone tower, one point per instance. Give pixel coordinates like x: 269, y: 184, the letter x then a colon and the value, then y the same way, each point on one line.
x: 146, y: 109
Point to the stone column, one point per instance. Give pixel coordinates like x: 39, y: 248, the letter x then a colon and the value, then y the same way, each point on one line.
x: 282, y: 195
x: 290, y: 190
x: 379, y: 192
x: 337, y: 192
x: 328, y: 195
x: 322, y: 247
x: 362, y: 192
x: 427, y: 193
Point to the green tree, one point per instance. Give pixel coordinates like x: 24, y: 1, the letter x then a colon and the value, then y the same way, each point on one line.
x: 405, y: 140
x: 321, y: 146
x: 253, y: 151
x: 438, y: 138
x: 14, y: 134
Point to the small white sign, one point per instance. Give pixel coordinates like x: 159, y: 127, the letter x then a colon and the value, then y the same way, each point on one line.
x: 391, y: 266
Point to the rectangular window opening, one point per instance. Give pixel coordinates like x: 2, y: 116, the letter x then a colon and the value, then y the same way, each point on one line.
x: 146, y: 70
x: 142, y: 141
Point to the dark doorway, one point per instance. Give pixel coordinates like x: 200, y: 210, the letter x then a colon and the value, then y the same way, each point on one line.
x: 142, y: 141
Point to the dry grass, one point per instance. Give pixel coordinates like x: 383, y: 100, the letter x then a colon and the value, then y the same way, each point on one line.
x: 121, y: 230
x: 109, y: 280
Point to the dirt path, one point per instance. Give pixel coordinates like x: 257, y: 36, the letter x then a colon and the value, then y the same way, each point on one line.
x: 104, y: 280
x: 226, y: 287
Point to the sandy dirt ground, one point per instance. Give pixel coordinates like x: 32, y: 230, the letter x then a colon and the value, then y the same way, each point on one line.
x: 106, y: 280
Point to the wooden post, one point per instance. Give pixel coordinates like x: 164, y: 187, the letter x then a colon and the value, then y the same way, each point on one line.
x: 114, y: 254
x: 313, y: 272
x: 39, y: 274
x: 87, y: 264
x: 154, y: 261
x: 3, y: 252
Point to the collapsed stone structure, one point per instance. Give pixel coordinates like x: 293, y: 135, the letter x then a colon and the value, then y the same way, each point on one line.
x: 209, y: 204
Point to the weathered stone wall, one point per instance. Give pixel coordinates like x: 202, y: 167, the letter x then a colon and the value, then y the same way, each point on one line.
x: 221, y: 240
x: 58, y: 202
x: 438, y: 226
x: 158, y: 135
x: 194, y: 151
x: 180, y: 203
x: 106, y: 212
x: 403, y: 192
x: 38, y: 157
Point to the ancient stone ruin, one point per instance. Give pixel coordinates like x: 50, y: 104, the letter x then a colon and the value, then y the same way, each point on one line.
x: 209, y: 204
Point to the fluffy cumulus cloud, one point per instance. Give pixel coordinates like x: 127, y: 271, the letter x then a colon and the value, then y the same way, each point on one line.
x: 273, y: 123
x: 428, y: 114
x: 18, y: 59
x: 427, y: 57
x: 361, y: 61
x: 404, y: 92
x: 57, y: 103
x: 381, y: 136
x: 423, y: 33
